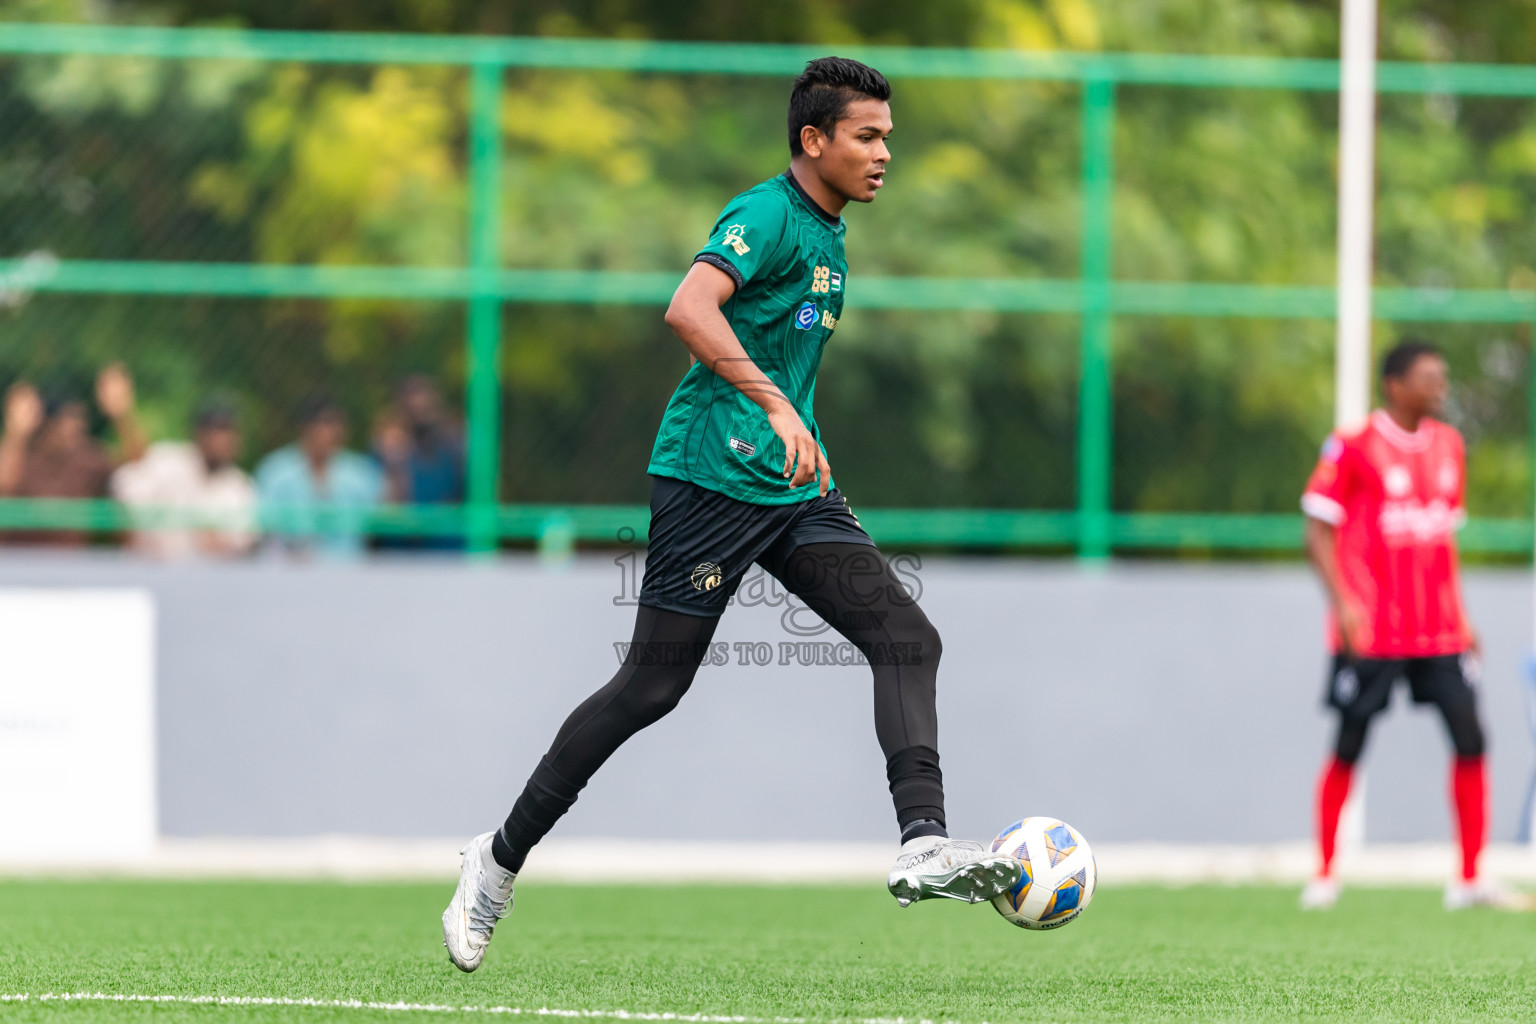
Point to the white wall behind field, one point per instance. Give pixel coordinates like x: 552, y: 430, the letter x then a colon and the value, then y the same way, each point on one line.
x: 411, y: 699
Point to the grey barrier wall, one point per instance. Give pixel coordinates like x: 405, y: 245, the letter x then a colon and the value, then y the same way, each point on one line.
x: 412, y: 698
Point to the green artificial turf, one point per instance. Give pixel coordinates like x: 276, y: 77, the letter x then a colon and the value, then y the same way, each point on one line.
x: 823, y: 953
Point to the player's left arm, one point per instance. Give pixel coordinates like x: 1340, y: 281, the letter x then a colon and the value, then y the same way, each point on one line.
x: 1474, y: 641
x: 695, y: 318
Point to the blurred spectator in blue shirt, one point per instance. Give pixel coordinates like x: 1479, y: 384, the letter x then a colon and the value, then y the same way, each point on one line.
x: 422, y: 453
x: 318, y: 493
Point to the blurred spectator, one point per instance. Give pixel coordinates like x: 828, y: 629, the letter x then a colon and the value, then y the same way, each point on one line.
x: 47, y: 451
x: 422, y: 455
x: 295, y: 482
x: 198, y: 478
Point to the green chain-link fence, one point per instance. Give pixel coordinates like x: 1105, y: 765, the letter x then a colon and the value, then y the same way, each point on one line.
x: 1092, y: 312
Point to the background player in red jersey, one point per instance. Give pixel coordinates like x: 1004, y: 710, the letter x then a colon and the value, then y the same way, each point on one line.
x: 1383, y: 507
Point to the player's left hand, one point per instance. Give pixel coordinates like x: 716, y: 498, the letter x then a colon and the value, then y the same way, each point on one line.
x: 803, y: 458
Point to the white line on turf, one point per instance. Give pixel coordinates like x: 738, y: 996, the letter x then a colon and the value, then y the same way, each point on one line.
x: 358, y: 1004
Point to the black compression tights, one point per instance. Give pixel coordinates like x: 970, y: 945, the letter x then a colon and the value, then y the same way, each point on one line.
x: 1461, y: 722
x: 852, y: 587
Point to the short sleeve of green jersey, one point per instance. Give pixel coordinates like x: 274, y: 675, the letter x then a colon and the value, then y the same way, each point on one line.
x: 747, y: 237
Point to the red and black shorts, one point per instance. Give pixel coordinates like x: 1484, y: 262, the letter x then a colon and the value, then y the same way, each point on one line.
x: 1361, y: 687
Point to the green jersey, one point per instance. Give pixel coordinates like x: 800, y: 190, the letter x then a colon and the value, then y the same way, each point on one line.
x: 785, y: 254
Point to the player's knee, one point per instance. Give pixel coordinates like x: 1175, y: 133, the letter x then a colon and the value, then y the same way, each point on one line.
x: 657, y: 704
x: 1351, y: 739
x: 918, y: 637
x: 1472, y: 744
x: 930, y: 644
x: 651, y: 698
x: 1466, y: 730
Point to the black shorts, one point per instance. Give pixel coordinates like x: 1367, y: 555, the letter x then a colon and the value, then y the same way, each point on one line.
x: 1360, y: 687
x: 703, y: 542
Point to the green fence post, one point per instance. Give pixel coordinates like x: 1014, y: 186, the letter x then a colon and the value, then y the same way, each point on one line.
x: 1530, y: 429
x: 484, y: 384
x: 1094, y: 400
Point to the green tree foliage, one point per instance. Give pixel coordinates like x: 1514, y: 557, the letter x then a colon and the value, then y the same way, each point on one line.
x: 235, y: 161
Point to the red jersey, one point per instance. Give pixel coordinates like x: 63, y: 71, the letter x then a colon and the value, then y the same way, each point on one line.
x: 1397, y: 500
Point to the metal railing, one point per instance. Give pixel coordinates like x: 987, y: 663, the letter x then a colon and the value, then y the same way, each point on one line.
x: 1093, y: 529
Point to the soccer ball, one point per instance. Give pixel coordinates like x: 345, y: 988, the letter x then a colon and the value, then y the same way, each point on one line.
x: 1058, y: 877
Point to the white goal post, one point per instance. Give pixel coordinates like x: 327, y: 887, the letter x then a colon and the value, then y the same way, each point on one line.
x: 1356, y: 252
x: 1357, y: 195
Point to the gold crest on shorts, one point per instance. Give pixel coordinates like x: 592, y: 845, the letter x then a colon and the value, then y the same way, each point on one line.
x: 707, y: 576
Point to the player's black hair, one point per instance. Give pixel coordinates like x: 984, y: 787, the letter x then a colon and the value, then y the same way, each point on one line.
x: 823, y: 91
x: 318, y: 407
x: 56, y: 400
x: 214, y: 414
x: 414, y: 382
x: 1401, y: 357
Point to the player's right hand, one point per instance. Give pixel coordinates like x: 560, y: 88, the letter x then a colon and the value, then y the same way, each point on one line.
x: 803, y: 459
x: 1352, y: 624
x: 23, y: 410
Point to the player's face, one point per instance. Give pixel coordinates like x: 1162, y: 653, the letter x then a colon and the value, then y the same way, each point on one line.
x: 1423, y: 388
x: 852, y: 161
x: 324, y: 435
x: 219, y: 445
x: 419, y: 402
x: 67, y: 428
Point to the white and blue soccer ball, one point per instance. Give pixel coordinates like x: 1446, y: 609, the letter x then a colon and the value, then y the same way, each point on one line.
x: 1058, y: 877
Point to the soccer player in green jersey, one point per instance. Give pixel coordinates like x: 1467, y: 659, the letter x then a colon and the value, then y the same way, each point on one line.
x: 740, y: 476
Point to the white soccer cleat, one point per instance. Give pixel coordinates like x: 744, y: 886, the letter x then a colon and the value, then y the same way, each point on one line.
x: 1485, y: 892
x: 1320, y: 894
x: 483, y: 897
x: 931, y: 866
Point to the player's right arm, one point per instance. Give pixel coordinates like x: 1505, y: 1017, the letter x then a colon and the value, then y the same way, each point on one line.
x: 694, y: 316
x: 1322, y: 539
x: 1324, y: 502
x: 1474, y: 640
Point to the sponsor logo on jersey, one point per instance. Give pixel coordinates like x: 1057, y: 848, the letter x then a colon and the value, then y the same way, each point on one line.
x: 805, y: 316
x: 1397, y: 481
x: 706, y: 576
x: 837, y: 283
x: 821, y: 280
x: 745, y: 447
x: 1410, y: 520
x: 733, y: 238
x: 829, y: 321
x: 1449, y: 477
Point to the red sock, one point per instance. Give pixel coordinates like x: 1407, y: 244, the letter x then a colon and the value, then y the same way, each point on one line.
x: 1469, y: 788
x: 1332, y: 791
